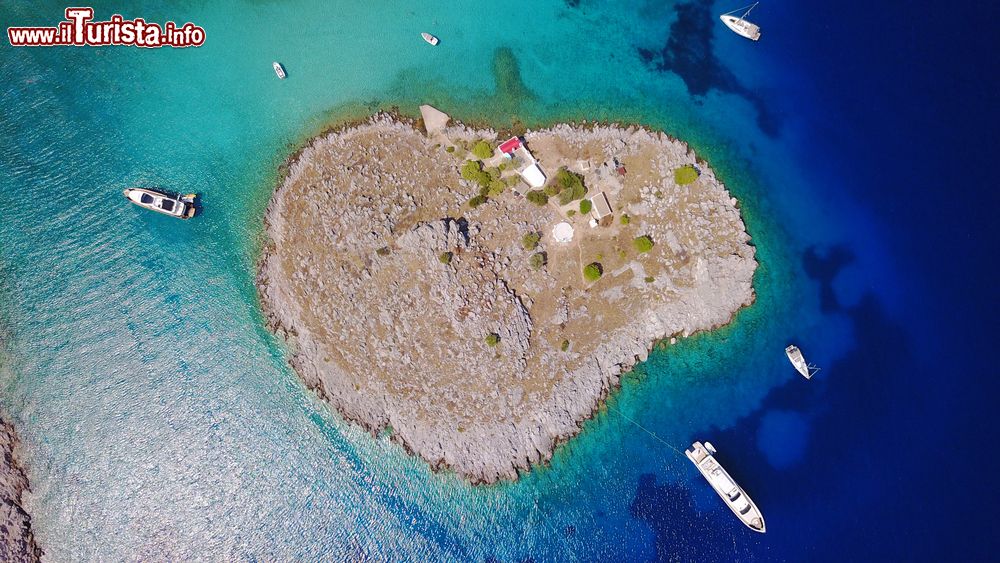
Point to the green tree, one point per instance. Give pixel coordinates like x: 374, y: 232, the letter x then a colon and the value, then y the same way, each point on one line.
x: 593, y: 271
x: 537, y: 197
x: 482, y: 150
x: 530, y: 240
x: 492, y: 339
x: 564, y: 346
x: 477, y: 201
x: 445, y: 257
x: 585, y: 206
x: 571, y: 186
x: 643, y: 243
x: 473, y: 171
x: 496, y: 188
x: 625, y: 219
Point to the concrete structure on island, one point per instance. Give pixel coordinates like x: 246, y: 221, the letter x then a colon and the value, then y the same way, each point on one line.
x: 562, y: 232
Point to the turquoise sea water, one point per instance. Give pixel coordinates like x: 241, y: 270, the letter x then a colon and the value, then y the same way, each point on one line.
x: 159, y: 417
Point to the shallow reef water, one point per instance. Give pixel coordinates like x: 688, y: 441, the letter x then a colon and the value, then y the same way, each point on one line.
x: 159, y: 418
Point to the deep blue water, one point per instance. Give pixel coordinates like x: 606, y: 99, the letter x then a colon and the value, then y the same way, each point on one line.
x: 857, y: 136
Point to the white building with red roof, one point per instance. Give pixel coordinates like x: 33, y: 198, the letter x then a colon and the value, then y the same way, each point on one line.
x: 531, y: 172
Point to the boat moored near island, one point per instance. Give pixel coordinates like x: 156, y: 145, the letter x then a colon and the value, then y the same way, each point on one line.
x: 734, y: 496
x: 739, y: 25
x: 279, y: 70
x: 181, y: 207
x: 799, y: 361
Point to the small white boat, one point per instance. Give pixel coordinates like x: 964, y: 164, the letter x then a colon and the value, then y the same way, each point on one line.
x: 799, y: 361
x: 733, y: 495
x: 740, y: 25
x: 181, y: 207
x: 279, y: 70
x: 429, y: 38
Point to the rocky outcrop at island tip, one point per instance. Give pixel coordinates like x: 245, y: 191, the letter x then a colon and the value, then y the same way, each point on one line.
x: 16, y: 540
x: 468, y: 330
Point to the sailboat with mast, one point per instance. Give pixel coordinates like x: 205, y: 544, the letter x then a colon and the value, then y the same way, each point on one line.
x: 740, y: 25
x: 795, y: 356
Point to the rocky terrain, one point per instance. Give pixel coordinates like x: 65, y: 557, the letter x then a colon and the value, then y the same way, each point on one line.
x: 16, y: 540
x: 476, y: 347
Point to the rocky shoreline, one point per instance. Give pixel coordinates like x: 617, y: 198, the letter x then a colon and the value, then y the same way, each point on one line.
x: 17, y: 543
x: 465, y: 328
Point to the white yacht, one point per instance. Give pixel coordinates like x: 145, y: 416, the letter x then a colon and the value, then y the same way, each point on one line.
x: 740, y: 25
x: 733, y: 495
x: 181, y: 207
x: 279, y: 70
x: 429, y: 38
x: 799, y: 361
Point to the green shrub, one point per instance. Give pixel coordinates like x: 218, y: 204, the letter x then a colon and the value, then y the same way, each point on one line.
x: 482, y: 150
x: 494, y: 172
x: 530, y: 241
x: 384, y: 251
x: 477, y: 201
x: 564, y: 346
x: 449, y: 148
x: 593, y: 271
x: 571, y: 213
x: 538, y: 260
x: 643, y: 243
x: 496, y: 188
x: 552, y: 189
x: 649, y: 279
x: 571, y: 186
x: 585, y: 206
x: 445, y: 257
x: 492, y: 339
x: 537, y: 197
x: 626, y: 219
x: 473, y: 170
x: 685, y: 175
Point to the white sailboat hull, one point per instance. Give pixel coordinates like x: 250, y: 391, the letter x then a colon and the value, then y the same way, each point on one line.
x: 799, y: 361
x: 741, y: 27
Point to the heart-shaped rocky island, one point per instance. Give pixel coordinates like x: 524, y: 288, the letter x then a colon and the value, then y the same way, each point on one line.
x: 480, y: 298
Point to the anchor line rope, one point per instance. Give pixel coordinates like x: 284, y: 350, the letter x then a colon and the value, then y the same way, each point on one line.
x: 539, y: 509
x: 646, y: 430
x: 751, y: 6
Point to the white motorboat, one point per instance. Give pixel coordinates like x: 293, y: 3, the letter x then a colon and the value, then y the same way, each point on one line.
x: 279, y: 70
x: 181, y: 207
x: 429, y: 38
x: 740, y: 25
x: 799, y: 361
x: 734, y: 496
